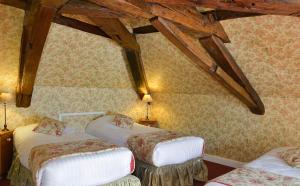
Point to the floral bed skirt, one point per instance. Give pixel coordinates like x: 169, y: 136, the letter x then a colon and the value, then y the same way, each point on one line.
x: 171, y: 175
x: 21, y: 176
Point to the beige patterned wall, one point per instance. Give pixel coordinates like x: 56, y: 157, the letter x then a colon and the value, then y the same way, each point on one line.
x: 83, y: 72
x: 78, y: 72
x: 72, y: 58
x: 268, y: 50
x: 11, y: 20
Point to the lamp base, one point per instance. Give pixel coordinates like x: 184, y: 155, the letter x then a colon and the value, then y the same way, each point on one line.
x: 5, y: 129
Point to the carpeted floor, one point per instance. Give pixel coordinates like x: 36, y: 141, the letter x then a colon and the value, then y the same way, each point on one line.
x: 214, y: 170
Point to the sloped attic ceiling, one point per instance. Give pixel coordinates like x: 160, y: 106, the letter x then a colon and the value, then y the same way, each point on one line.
x: 169, y: 71
x: 267, y: 48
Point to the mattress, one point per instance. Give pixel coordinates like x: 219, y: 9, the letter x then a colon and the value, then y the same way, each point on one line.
x: 270, y: 162
x: 84, y: 169
x: 273, y: 163
x: 165, y: 153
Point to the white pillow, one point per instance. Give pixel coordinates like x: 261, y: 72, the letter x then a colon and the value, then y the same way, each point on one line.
x: 107, y: 119
x: 78, y: 123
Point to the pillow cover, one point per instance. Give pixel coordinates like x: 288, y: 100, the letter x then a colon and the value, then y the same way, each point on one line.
x: 50, y: 127
x: 123, y: 121
x: 291, y: 157
x: 77, y: 124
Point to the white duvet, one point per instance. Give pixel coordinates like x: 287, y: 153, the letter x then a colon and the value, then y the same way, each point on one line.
x: 273, y: 163
x: 270, y: 162
x: 82, y: 170
x: 165, y: 153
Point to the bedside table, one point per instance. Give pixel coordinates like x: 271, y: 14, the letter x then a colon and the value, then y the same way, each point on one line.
x: 6, y: 151
x: 149, y: 123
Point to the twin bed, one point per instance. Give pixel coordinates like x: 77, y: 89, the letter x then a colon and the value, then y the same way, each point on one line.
x: 269, y: 169
x: 162, y: 157
x: 106, y: 154
x: 84, y: 168
x: 101, y: 156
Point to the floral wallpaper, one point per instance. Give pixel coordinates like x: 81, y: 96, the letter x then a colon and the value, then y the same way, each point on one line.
x: 11, y: 21
x: 169, y: 70
x: 82, y: 72
x: 267, y: 48
x: 72, y: 58
x: 50, y: 101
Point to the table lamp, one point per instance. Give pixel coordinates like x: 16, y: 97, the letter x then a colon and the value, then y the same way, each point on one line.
x: 148, y: 99
x: 5, y: 98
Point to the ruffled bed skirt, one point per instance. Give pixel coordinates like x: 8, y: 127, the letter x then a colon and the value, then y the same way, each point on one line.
x: 21, y: 176
x: 171, y: 175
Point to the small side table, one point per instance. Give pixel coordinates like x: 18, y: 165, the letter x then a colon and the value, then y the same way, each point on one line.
x: 6, y: 151
x: 149, y: 123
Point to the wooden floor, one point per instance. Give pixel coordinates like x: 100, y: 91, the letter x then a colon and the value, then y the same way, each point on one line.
x: 214, y: 170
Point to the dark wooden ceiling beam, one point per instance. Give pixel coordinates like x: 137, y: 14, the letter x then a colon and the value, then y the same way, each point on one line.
x: 218, y: 51
x: 118, y: 32
x: 220, y: 15
x: 148, y: 29
x: 276, y: 7
x: 79, y: 25
x: 198, y: 57
x: 37, y: 22
x: 190, y: 18
x: 80, y: 7
x: 131, y: 7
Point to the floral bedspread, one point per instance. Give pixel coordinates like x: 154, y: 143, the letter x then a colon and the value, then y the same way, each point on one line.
x: 142, y: 145
x: 250, y: 177
x: 42, y: 154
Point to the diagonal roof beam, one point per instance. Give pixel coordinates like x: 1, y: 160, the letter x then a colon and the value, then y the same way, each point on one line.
x: 79, y: 25
x: 223, y: 58
x: 80, y: 7
x: 118, y: 32
x: 198, y: 57
x: 36, y: 26
x: 131, y: 7
x: 190, y: 18
x: 276, y: 7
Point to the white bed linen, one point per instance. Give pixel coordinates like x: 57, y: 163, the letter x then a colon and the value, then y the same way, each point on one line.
x: 81, y: 170
x: 270, y: 162
x: 165, y: 153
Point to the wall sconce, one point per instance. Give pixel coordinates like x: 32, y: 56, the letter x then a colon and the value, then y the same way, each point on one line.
x: 5, y: 98
x: 148, y: 99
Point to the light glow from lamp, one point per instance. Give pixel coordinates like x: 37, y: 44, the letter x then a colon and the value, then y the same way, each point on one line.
x: 6, y: 97
x: 147, y: 98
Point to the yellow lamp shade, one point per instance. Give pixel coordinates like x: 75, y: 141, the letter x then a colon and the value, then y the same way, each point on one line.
x: 147, y: 98
x: 6, y: 97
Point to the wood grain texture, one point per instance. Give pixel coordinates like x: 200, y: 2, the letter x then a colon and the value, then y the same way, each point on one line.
x: 126, y: 6
x: 36, y: 25
x: 35, y: 31
x: 79, y: 7
x: 79, y: 25
x: 190, y: 18
x: 276, y: 7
